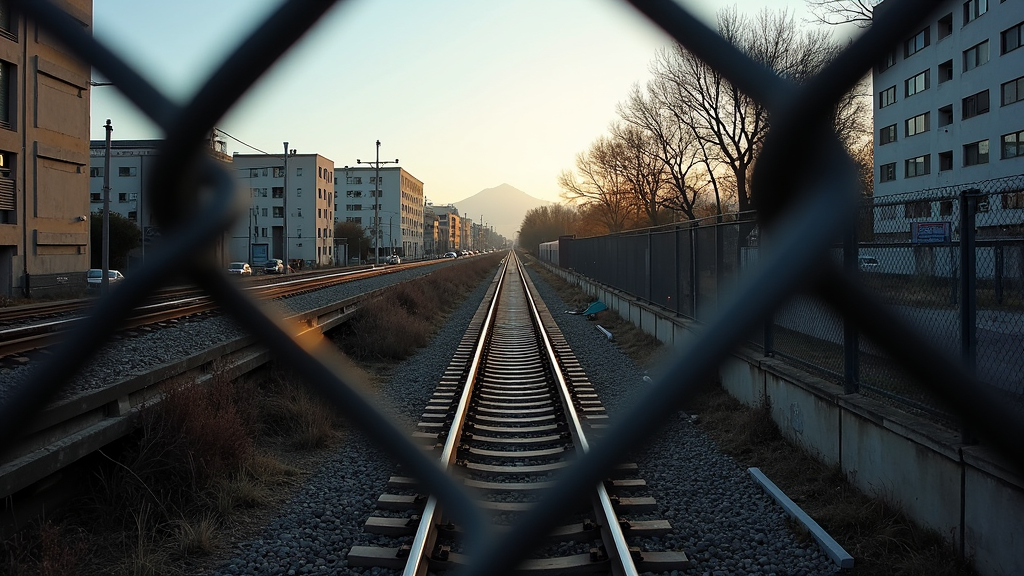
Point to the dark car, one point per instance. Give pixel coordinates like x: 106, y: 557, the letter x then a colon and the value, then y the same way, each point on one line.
x: 240, y: 269
x: 274, y: 266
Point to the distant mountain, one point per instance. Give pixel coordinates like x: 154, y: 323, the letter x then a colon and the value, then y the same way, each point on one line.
x: 502, y: 207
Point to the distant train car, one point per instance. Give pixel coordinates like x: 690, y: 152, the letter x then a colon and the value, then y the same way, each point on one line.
x: 549, y: 252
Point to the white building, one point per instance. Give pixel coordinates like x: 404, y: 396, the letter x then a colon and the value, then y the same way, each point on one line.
x: 305, y: 215
x: 949, y: 100
x: 400, y: 208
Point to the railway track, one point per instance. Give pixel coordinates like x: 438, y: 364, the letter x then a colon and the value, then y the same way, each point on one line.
x: 41, y: 325
x: 512, y: 410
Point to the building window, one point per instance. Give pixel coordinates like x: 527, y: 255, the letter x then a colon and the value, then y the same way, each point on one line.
x: 945, y: 27
x: 973, y: 9
x: 126, y: 171
x: 122, y: 197
x: 277, y: 192
x: 1013, y: 91
x: 918, y: 209
x: 887, y: 134
x: 976, y: 153
x: 1013, y: 144
x: 945, y: 208
x: 354, y: 180
x: 946, y: 115
x: 975, y: 56
x: 917, y: 124
x: 254, y: 172
x: 263, y: 232
x: 945, y: 71
x: 887, y: 172
x: 945, y: 160
x: 95, y: 197
x: 888, y: 61
x: 298, y: 171
x: 6, y: 97
x: 132, y: 215
x: 915, y: 44
x: 278, y: 172
x: 278, y: 211
x: 354, y: 219
x: 264, y: 212
x: 917, y: 83
x: 96, y: 172
x: 1013, y: 200
x: 298, y: 192
x: 887, y: 97
x: 1010, y: 39
x: 974, y: 105
x: 918, y: 166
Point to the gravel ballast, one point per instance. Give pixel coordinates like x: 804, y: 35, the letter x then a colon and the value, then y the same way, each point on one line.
x: 721, y: 518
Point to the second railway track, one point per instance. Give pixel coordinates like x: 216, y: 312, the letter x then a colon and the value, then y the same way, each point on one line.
x: 513, y: 409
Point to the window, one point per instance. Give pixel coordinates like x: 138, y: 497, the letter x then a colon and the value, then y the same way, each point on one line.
x: 263, y: 232
x: 353, y: 207
x: 915, y: 44
x: 975, y: 56
x: 254, y: 172
x: 6, y: 97
x: 264, y: 212
x: 888, y: 61
x: 887, y: 134
x: 1013, y: 200
x: 355, y: 219
x: 945, y: 160
x: 278, y: 211
x: 946, y: 115
x: 126, y: 171
x: 122, y: 197
x: 976, y: 153
x: 277, y: 192
x: 278, y: 172
x: 887, y: 172
x: 918, y: 166
x: 8, y: 27
x: 95, y: 197
x: 298, y: 192
x: 919, y: 209
x: 973, y: 9
x: 1013, y: 144
x: 96, y: 172
x: 887, y: 97
x: 945, y: 27
x: 1013, y: 91
x: 974, y: 105
x: 917, y: 83
x: 946, y: 207
x: 354, y: 180
x: 917, y: 124
x: 945, y: 71
x: 1010, y: 39
x: 319, y: 171
x: 132, y: 215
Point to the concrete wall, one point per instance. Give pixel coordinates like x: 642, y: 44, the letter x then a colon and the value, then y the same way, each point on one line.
x: 965, y: 493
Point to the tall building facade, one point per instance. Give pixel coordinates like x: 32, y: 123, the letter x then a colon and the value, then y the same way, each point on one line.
x: 297, y: 224
x: 44, y: 156
x: 430, y: 229
x: 399, y: 199
x: 449, y: 229
x: 949, y: 100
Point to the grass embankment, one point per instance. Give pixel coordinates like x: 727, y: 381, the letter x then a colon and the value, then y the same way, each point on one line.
x: 208, y: 464
x: 880, y: 537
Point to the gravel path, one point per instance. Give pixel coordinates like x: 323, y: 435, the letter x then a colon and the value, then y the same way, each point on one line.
x: 722, y: 519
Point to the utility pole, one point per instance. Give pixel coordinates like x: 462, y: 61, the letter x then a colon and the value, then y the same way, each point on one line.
x: 285, y: 250
x: 376, y: 203
x: 105, y: 281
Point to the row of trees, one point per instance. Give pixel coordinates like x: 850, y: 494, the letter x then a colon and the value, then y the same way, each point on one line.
x: 684, y: 144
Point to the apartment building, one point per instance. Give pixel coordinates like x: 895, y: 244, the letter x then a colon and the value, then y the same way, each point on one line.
x: 44, y: 154
x: 398, y: 196
x: 449, y: 229
x: 294, y: 221
x: 430, y: 231
x: 949, y: 100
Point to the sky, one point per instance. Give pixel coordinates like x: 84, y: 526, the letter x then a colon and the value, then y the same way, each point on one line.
x: 467, y: 94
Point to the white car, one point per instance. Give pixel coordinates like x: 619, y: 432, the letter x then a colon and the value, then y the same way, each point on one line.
x: 393, y: 259
x: 94, y: 277
x: 240, y: 269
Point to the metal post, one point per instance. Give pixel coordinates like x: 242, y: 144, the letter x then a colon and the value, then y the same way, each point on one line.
x: 105, y: 281
x: 285, y: 249
x: 851, y: 347
x: 376, y: 203
x: 968, y: 279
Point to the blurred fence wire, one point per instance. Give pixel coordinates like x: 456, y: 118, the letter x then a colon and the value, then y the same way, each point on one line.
x: 194, y: 204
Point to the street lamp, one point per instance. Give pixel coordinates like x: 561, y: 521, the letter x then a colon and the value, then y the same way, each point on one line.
x: 376, y: 204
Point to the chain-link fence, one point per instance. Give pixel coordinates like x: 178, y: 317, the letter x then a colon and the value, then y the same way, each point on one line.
x: 800, y: 212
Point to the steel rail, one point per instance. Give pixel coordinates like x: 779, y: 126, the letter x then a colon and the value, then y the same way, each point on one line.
x: 425, y: 534
x: 610, y: 527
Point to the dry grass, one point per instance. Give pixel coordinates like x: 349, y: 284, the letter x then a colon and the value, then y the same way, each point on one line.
x: 876, y: 532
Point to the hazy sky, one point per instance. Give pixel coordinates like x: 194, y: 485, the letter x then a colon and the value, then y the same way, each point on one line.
x: 468, y: 94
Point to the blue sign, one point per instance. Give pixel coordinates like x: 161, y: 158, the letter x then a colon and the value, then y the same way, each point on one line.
x: 929, y: 232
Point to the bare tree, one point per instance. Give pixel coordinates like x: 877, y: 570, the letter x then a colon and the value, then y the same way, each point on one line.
x: 636, y: 156
x: 836, y: 12
x: 601, y: 186
x: 546, y: 223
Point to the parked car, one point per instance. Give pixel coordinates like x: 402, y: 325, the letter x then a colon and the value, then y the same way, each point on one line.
x: 450, y: 255
x: 393, y: 259
x: 94, y: 277
x: 240, y: 268
x: 274, y: 266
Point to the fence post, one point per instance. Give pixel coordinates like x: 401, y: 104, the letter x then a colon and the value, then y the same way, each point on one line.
x: 679, y: 275
x: 767, y: 338
x: 968, y: 279
x: 999, y: 264
x: 851, y: 340
x: 650, y: 271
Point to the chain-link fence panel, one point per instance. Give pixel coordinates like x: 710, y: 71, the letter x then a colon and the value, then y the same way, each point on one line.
x: 801, y: 212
